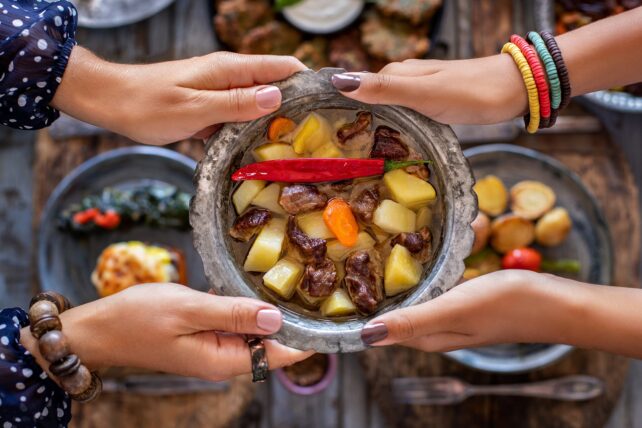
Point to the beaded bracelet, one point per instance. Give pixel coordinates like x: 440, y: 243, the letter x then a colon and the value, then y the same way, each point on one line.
x: 549, y: 66
x: 540, y: 80
x: 45, y: 325
x: 529, y: 82
x: 562, y: 72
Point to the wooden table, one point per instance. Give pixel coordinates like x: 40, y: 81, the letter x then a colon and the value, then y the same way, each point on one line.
x: 184, y: 30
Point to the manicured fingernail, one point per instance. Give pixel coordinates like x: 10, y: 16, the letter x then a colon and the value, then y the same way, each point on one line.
x: 346, y: 82
x: 374, y: 333
x: 269, y: 320
x: 268, y: 97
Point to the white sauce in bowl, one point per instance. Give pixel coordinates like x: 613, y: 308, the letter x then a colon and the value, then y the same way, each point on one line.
x: 323, y: 16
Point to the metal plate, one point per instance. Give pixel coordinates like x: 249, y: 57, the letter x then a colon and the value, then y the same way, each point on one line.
x: 116, y: 13
x: 589, y: 242
x: 65, y: 261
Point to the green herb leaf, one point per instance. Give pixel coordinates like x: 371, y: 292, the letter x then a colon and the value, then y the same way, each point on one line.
x: 279, y: 5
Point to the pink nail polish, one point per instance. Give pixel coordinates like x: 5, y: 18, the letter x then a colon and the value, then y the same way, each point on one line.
x: 269, y: 320
x: 268, y: 98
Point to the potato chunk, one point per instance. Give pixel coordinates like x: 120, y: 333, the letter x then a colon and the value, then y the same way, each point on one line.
x: 491, y: 195
x: 327, y: 150
x: 394, y: 218
x: 410, y: 191
x: 311, y: 134
x: 424, y: 217
x: 274, y: 151
x: 283, y: 277
x: 266, y: 249
x: 245, y: 193
x: 481, y: 227
x: 531, y: 199
x: 511, y: 231
x: 339, y: 304
x: 268, y: 198
x: 402, y: 271
x: 338, y: 252
x: 553, y: 228
x: 312, y: 224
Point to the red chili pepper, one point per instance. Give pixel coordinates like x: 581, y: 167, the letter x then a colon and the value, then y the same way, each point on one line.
x: 314, y: 170
x: 109, y: 220
x: 522, y: 258
x: 84, y: 217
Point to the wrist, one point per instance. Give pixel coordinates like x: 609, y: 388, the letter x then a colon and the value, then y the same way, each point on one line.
x: 511, y: 91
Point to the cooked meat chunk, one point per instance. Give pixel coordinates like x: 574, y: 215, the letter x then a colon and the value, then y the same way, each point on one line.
x: 361, y: 124
x: 248, y: 224
x: 420, y: 171
x: 347, y: 52
x: 234, y: 18
x: 273, y: 38
x: 337, y: 189
x: 310, y: 250
x: 419, y: 243
x: 415, y: 11
x: 388, y: 144
x: 302, y: 198
x: 313, y: 53
x: 364, y: 204
x: 364, y: 279
x: 320, y: 280
x: 393, y: 39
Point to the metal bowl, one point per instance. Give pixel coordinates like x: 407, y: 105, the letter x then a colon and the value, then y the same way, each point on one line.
x: 65, y: 261
x: 116, y: 13
x: 543, y: 16
x: 211, y: 212
x: 589, y: 242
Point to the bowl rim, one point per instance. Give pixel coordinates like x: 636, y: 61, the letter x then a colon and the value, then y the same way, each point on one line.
x: 298, y: 331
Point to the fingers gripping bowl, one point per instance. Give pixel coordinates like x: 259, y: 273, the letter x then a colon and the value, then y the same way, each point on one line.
x: 212, y: 212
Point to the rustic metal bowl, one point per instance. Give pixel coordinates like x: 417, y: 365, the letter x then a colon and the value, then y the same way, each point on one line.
x: 212, y: 213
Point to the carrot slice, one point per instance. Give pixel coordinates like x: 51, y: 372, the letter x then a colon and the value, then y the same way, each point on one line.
x: 279, y: 127
x: 340, y: 220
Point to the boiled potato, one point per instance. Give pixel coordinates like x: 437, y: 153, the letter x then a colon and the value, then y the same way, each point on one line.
x: 267, y: 247
x: 245, y: 193
x: 268, y: 198
x: 339, y: 304
x: 470, y: 273
x: 379, y: 234
x: 424, y: 217
x: 338, y: 252
x: 311, y: 134
x: 511, y: 231
x: 531, y: 199
x: 410, y: 191
x: 327, y: 150
x: 491, y: 195
x: 401, y: 272
x: 312, y: 224
x: 553, y: 228
x: 274, y: 151
x: 283, y: 277
x: 394, y: 218
x: 481, y: 227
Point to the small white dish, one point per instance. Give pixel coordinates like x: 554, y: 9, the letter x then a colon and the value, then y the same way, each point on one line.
x: 323, y: 16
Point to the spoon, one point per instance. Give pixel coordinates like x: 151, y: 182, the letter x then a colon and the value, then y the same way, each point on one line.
x: 449, y: 390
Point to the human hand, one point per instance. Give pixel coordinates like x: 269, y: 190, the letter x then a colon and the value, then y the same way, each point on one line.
x: 169, y: 101
x: 502, y: 307
x: 171, y: 328
x: 472, y: 91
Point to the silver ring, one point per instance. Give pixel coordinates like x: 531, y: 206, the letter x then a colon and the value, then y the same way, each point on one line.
x: 258, y: 356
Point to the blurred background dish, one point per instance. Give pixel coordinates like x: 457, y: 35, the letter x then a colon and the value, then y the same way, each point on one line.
x: 66, y: 259
x: 589, y: 242
x: 323, y: 17
x: 115, y: 13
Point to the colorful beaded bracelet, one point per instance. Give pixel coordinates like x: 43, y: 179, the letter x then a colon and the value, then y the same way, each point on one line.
x: 529, y: 82
x: 562, y: 72
x: 549, y: 66
x: 539, y: 77
x: 45, y: 325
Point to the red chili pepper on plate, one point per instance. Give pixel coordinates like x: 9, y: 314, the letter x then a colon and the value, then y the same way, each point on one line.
x: 108, y: 220
x: 315, y: 170
x: 84, y: 217
x: 531, y: 259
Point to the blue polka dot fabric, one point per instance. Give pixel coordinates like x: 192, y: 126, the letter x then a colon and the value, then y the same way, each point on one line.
x: 28, y: 398
x: 36, y: 38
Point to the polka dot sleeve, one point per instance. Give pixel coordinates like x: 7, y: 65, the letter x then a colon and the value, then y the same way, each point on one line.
x: 28, y: 397
x: 36, y: 38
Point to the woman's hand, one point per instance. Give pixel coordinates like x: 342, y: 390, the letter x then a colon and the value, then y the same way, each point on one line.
x: 502, y: 307
x: 171, y: 328
x: 166, y: 102
x: 473, y: 91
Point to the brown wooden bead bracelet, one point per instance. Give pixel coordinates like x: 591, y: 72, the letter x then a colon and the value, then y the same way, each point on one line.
x: 45, y: 325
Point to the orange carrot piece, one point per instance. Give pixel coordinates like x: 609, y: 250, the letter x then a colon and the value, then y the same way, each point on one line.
x: 279, y: 127
x: 340, y: 220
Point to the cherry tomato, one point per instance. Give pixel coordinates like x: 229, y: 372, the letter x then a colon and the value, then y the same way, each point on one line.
x: 522, y: 258
x: 84, y: 217
x: 108, y: 220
